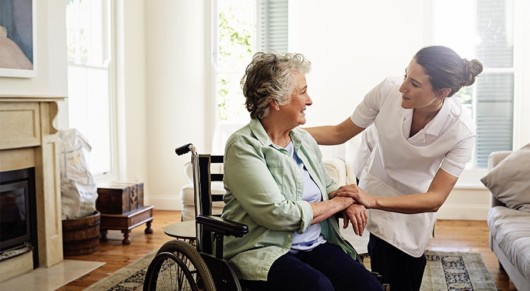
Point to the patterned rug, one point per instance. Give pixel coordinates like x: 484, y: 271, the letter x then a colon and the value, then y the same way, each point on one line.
x: 444, y: 271
x: 456, y: 271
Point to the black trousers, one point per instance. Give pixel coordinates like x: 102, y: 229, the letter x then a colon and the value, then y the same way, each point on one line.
x: 402, y: 271
x: 324, y: 268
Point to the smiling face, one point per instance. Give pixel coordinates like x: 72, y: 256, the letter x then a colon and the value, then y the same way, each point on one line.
x: 417, y: 91
x: 293, y: 111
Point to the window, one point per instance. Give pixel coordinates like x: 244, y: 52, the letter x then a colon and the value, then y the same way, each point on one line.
x: 88, y: 31
x: 483, y: 29
x: 239, y: 29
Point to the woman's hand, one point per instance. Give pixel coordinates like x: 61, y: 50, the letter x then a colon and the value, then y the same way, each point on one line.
x: 357, y: 194
x: 356, y: 214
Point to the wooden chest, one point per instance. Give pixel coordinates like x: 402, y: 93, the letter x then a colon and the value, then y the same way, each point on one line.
x: 119, y: 197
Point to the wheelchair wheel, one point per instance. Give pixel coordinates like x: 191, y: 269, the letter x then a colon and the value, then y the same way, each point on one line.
x: 178, y: 266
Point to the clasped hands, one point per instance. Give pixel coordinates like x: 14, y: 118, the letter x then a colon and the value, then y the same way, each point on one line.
x: 356, y: 212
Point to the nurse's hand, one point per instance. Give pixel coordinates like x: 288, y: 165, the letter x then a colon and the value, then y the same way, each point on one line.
x: 356, y: 214
x: 357, y: 194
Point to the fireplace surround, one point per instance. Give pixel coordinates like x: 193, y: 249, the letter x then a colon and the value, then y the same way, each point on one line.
x: 28, y: 140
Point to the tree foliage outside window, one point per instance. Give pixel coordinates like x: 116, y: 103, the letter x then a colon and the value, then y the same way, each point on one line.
x: 87, y: 27
x: 236, y: 44
x: 241, y: 28
x: 77, y: 31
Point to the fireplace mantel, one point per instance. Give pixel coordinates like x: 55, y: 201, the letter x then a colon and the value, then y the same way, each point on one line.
x: 28, y: 139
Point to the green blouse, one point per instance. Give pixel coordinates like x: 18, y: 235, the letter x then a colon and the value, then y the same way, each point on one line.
x: 264, y: 191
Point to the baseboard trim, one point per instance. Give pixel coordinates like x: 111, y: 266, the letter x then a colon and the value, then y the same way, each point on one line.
x: 462, y: 212
x: 166, y: 203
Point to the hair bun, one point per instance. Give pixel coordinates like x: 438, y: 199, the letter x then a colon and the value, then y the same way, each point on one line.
x: 471, y: 70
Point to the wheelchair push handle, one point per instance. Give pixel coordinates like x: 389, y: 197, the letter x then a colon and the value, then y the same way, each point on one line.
x: 185, y: 149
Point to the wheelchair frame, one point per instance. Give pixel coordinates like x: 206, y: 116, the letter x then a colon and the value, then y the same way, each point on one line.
x: 178, y: 265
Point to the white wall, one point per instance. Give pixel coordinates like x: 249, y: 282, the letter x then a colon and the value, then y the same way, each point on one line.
x: 352, y: 46
x: 49, y: 54
x: 131, y: 119
x: 178, y: 87
x: 522, y: 74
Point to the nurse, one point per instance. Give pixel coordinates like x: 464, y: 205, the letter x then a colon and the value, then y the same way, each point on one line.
x: 416, y: 142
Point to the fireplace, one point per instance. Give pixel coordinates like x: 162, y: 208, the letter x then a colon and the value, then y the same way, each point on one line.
x: 18, y: 226
x: 28, y: 142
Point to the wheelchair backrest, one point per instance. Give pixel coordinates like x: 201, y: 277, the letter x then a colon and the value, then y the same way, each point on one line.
x: 203, y: 195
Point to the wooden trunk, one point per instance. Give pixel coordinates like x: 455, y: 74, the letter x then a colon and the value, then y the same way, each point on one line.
x: 119, y: 197
x: 140, y: 195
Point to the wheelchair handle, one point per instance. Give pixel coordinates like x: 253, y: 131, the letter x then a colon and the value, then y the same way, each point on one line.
x: 184, y: 149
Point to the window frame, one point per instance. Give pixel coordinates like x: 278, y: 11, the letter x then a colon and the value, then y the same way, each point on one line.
x: 109, y: 65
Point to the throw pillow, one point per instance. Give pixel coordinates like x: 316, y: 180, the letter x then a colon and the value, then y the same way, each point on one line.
x: 509, y: 181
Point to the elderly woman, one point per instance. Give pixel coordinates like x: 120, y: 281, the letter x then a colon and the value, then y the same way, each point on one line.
x: 276, y: 184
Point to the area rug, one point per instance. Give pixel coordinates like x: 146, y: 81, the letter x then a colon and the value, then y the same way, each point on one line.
x: 453, y: 271
x: 456, y: 271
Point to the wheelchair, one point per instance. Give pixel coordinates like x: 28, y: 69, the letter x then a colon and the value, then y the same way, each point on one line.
x: 199, y: 265
x: 180, y: 265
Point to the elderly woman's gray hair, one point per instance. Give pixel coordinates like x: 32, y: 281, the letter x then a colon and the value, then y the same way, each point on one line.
x: 270, y: 77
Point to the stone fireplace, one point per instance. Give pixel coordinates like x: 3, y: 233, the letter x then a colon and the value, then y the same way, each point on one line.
x: 28, y: 140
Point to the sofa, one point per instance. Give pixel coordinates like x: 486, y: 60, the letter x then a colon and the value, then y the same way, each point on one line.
x: 337, y: 168
x: 508, y: 181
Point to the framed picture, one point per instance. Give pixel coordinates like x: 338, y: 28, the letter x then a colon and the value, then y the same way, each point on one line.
x: 17, y: 38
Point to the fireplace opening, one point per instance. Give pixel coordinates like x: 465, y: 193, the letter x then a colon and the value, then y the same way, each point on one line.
x: 18, y: 224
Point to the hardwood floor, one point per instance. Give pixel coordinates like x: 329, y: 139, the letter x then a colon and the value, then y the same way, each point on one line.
x: 118, y: 256
x: 450, y: 235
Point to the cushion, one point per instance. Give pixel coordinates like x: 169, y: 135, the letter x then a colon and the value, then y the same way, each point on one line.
x: 510, y: 230
x: 509, y: 181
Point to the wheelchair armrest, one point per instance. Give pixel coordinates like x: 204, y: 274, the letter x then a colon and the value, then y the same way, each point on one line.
x: 222, y: 226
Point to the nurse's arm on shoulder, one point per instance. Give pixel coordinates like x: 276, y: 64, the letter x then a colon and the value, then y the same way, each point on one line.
x: 335, y: 134
x: 431, y: 201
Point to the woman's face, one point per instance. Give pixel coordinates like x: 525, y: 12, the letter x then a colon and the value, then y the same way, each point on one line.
x: 416, y: 90
x: 294, y: 110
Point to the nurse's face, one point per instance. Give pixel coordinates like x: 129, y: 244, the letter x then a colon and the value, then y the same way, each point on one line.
x: 416, y: 90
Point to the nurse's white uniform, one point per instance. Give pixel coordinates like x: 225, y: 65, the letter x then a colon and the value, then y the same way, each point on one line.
x: 390, y: 163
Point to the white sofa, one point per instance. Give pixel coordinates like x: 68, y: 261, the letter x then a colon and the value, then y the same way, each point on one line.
x: 509, y: 221
x: 336, y: 168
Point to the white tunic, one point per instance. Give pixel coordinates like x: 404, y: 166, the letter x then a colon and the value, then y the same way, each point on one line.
x: 394, y: 164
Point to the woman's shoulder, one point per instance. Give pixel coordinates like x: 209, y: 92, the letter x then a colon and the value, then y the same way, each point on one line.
x: 461, y: 113
x: 385, y: 89
x: 390, y: 87
x: 247, y: 138
x: 242, y: 134
x: 389, y: 84
x: 392, y: 81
